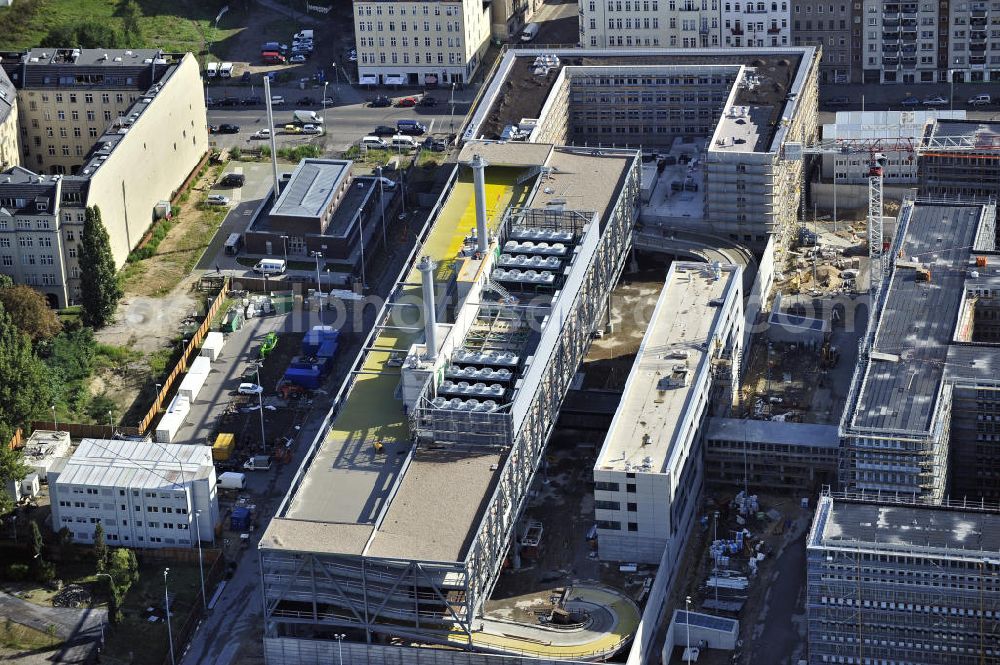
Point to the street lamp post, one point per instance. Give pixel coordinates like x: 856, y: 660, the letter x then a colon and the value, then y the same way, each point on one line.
x: 260, y: 404
x: 340, y: 646
x: 55, y: 423
x: 284, y: 245
x: 951, y: 97
x: 381, y: 205
x: 361, y: 236
x: 687, y: 622
x: 166, y: 598
x: 319, y: 284
x: 111, y: 423
x: 453, y: 107
x: 201, y: 562
x: 111, y: 588
x: 325, y: 83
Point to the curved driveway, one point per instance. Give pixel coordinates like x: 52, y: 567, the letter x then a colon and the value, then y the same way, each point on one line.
x: 80, y: 628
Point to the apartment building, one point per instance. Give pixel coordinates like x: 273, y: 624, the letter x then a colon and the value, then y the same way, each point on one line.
x: 144, y: 494
x: 896, y: 582
x: 973, y: 40
x: 669, y: 23
x: 649, y: 472
x: 118, y: 129
x: 836, y: 27
x: 756, y: 24
x: 9, y: 147
x: 408, y: 42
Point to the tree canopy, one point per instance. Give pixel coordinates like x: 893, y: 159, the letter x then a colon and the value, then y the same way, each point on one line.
x: 100, y: 290
x: 30, y: 311
x: 24, y: 386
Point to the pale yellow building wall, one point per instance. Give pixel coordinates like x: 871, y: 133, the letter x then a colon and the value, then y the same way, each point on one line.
x: 9, y: 149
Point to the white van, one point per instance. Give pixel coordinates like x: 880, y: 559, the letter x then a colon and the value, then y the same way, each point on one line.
x: 270, y: 266
x: 980, y: 100
x: 212, y: 69
x: 226, y: 70
x: 374, y: 142
x: 530, y: 32
x: 403, y: 141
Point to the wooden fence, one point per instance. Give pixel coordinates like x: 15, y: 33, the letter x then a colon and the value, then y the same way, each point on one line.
x: 17, y: 440
x: 191, y: 349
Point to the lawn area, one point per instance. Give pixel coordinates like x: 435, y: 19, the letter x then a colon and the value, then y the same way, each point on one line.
x: 22, y: 638
x: 137, y: 640
x: 178, y: 253
x: 183, y: 25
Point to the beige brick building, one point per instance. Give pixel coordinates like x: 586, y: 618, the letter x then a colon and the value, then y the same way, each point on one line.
x: 418, y: 43
x: 72, y: 157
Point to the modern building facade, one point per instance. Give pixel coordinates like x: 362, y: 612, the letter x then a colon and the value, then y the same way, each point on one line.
x: 454, y: 413
x: 144, y: 494
x: 10, y: 152
x: 835, y: 27
x: 733, y: 109
x: 438, y: 42
x: 897, y: 582
x: 649, y: 473
x: 118, y: 129
x: 970, y: 175
x: 919, y: 414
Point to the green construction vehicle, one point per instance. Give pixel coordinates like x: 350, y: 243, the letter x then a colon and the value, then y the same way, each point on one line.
x: 270, y: 341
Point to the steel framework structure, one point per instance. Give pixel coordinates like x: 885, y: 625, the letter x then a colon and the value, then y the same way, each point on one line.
x: 427, y: 600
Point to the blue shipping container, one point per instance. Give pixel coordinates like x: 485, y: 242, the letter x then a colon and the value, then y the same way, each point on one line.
x: 328, y: 349
x: 307, y: 378
x: 240, y: 519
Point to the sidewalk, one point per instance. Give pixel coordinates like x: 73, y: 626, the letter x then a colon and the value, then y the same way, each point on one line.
x: 288, y: 11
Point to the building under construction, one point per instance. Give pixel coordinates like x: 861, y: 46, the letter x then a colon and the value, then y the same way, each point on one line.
x: 407, y: 508
x: 898, y: 583
x: 925, y: 393
x: 972, y: 173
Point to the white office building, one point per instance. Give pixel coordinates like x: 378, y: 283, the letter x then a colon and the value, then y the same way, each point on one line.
x: 649, y: 474
x: 146, y: 495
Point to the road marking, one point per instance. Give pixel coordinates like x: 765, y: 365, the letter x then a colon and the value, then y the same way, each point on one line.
x: 430, y: 129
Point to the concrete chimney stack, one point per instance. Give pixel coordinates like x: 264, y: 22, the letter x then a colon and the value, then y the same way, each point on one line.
x: 430, y: 320
x: 479, y: 180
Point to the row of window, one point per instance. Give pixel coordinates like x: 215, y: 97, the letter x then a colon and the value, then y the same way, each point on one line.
x: 391, y: 10
x: 88, y: 98
x: 22, y: 224
x: 31, y: 279
x: 453, y: 42
x: 73, y: 115
x: 616, y: 505
x: 369, y: 58
x: 615, y: 525
x: 379, y: 26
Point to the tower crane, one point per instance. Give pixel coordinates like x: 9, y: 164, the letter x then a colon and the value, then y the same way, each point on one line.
x: 876, y: 148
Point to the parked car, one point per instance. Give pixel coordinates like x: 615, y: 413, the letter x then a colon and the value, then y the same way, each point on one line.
x: 384, y: 130
x: 233, y: 180
x: 305, y: 101
x: 838, y: 101
x: 296, y: 59
x: 261, y: 134
x: 406, y: 102
x: 293, y: 129
x: 311, y: 129
x: 380, y: 102
x: 277, y: 100
x: 217, y: 200
x: 328, y: 101
x: 209, y: 102
x: 250, y: 389
x: 427, y: 100
x: 911, y: 101
x: 980, y: 100
x: 214, y: 129
x: 936, y: 100
x: 252, y: 100
x: 229, y: 128
x: 434, y: 145
x: 230, y: 101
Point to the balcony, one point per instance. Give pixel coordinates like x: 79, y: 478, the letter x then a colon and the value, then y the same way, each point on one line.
x: 977, y: 60
x: 977, y: 48
x: 978, y: 22
x: 890, y: 62
x: 737, y: 31
x: 774, y: 30
x: 890, y: 23
x: 890, y: 9
x: 910, y: 23
x: 890, y: 36
x: 909, y: 63
x: 978, y: 35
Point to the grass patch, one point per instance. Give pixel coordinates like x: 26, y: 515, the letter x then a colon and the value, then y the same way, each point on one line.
x: 69, y: 315
x: 430, y: 158
x: 23, y: 638
x: 300, y: 152
x: 175, y: 25
x: 372, y: 157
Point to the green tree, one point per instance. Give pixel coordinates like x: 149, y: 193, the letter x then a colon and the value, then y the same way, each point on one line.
x: 64, y: 541
x: 12, y: 467
x: 36, y: 541
x: 6, y: 281
x: 124, y: 570
x: 24, y: 390
x: 99, y: 287
x: 100, y: 548
x: 70, y: 356
x: 131, y: 14
x: 88, y: 33
x: 30, y: 311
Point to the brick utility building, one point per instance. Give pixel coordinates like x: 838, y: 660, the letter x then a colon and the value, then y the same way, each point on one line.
x: 323, y: 207
x: 902, y: 583
x: 119, y: 129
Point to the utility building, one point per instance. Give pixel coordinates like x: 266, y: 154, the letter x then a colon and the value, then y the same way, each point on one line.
x: 903, y: 583
x: 398, y: 524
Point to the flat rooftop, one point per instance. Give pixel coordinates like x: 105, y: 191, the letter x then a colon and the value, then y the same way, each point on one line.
x: 650, y: 416
x: 903, y: 379
x: 121, y: 463
x: 987, y: 133
x: 391, y: 505
x: 808, y: 435
x: 906, y: 529
x: 312, y: 188
x: 516, y: 92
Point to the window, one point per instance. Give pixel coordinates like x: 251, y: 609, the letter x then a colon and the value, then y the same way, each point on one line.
x: 607, y: 505
x: 606, y: 486
x: 630, y: 488
x: 609, y: 525
x: 632, y: 507
x: 633, y: 526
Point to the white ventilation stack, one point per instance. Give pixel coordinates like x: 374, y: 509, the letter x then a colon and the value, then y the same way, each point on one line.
x: 430, y: 334
x: 479, y: 181
x: 270, y: 131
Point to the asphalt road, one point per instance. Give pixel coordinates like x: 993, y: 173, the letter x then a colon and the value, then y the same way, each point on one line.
x: 80, y: 628
x: 876, y: 97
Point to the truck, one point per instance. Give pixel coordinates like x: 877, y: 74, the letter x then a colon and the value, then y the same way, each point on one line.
x: 257, y: 463
x: 230, y: 480
x: 307, y: 117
